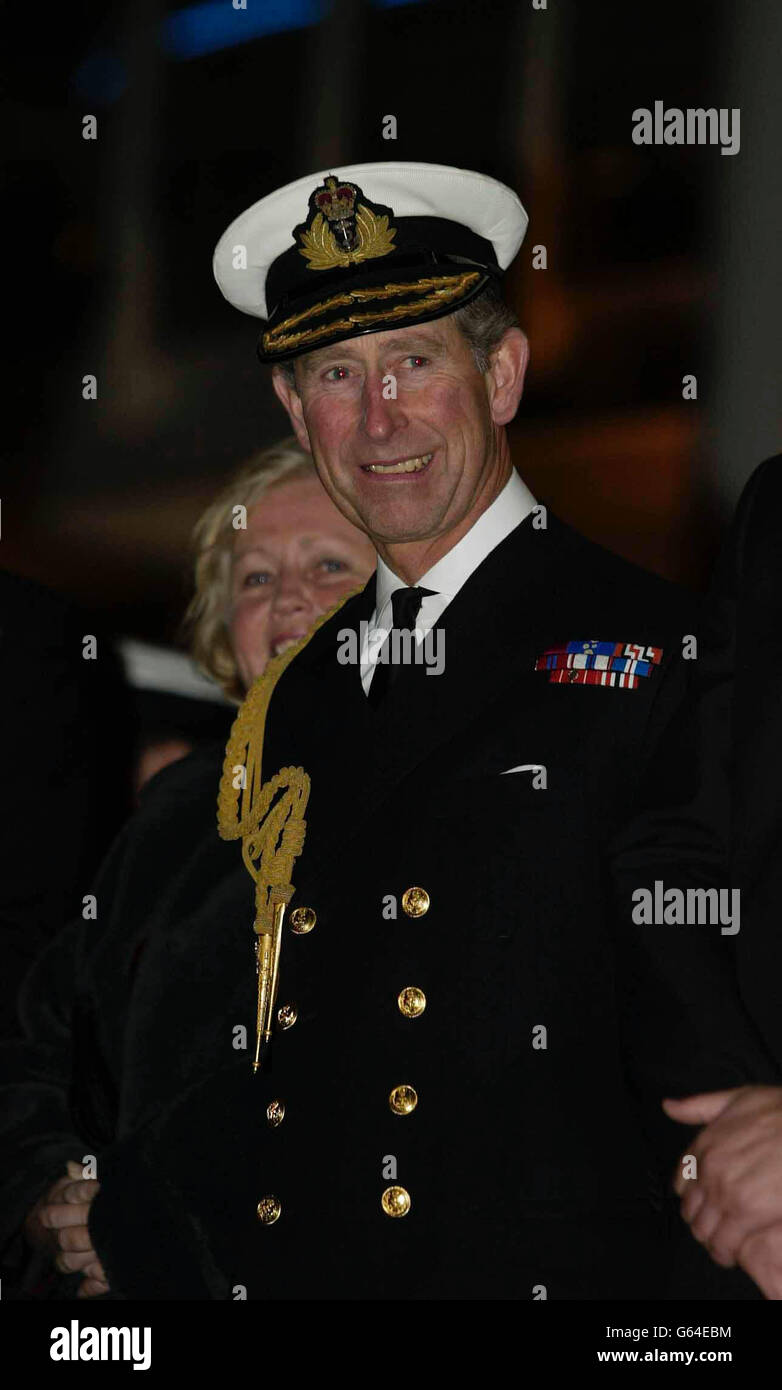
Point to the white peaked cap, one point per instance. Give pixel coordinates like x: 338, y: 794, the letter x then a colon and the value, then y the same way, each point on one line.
x: 483, y: 205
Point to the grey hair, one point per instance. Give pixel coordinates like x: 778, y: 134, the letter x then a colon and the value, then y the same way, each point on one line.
x: 483, y: 322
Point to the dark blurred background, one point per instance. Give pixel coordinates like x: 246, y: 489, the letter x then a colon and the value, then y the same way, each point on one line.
x: 662, y: 260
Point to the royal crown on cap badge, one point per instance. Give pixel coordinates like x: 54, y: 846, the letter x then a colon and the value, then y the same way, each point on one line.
x: 342, y: 231
x: 337, y: 202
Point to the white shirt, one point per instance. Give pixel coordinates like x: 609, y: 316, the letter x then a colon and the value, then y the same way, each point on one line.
x: 450, y: 573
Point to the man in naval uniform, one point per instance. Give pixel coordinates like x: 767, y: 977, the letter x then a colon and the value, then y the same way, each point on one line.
x: 392, y: 1048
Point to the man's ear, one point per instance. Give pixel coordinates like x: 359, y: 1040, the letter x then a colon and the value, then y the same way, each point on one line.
x: 291, y: 400
x: 507, y: 369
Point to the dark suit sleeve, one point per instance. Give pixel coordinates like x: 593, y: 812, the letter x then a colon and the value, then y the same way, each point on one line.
x: 59, y: 1084
x: 36, y: 1127
x: 687, y: 1029
x: 49, y: 1065
x: 685, y: 1026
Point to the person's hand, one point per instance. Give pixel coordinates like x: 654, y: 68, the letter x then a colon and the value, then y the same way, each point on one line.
x: 761, y: 1258
x: 58, y: 1224
x: 733, y: 1205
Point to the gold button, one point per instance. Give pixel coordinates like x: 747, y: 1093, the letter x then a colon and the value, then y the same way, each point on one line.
x: 403, y: 1099
x: 396, y: 1201
x: 275, y: 1113
x: 412, y: 1002
x: 287, y: 1015
x: 268, y: 1210
x: 415, y: 901
x: 302, y: 920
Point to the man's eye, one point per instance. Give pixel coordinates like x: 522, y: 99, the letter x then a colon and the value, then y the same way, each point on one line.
x: 333, y: 566
x: 336, y: 373
x: 256, y: 578
x: 417, y: 360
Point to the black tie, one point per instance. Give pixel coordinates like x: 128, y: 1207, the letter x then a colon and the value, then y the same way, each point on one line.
x: 405, y: 606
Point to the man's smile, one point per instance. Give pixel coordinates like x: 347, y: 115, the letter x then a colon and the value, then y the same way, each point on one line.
x: 416, y: 464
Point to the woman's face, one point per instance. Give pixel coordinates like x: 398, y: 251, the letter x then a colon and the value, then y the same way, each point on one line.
x: 297, y: 557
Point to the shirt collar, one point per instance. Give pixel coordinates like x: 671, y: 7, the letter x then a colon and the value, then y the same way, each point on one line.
x: 509, y: 508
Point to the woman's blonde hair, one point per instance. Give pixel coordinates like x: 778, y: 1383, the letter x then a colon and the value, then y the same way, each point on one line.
x: 205, y: 623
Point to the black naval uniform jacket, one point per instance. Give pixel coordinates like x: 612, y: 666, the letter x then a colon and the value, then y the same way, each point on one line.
x: 532, y: 1170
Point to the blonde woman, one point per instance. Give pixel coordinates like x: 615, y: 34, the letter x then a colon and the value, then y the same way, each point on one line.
x: 273, y: 553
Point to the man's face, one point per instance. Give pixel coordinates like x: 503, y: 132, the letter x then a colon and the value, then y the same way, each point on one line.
x: 402, y: 429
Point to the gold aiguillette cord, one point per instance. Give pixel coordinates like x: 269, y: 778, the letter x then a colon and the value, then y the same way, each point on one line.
x: 271, y: 834
x: 273, y: 839
x: 267, y: 952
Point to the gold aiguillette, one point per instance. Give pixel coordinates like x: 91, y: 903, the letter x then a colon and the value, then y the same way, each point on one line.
x: 267, y: 955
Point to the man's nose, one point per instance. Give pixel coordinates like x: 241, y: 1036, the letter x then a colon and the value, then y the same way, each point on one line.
x: 382, y: 411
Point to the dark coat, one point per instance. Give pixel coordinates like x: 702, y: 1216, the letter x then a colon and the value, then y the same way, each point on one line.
x: 751, y: 581
x: 525, y: 1166
x: 714, y: 814
x: 58, y: 713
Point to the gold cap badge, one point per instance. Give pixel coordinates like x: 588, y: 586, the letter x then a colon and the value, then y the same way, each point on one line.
x: 341, y: 230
